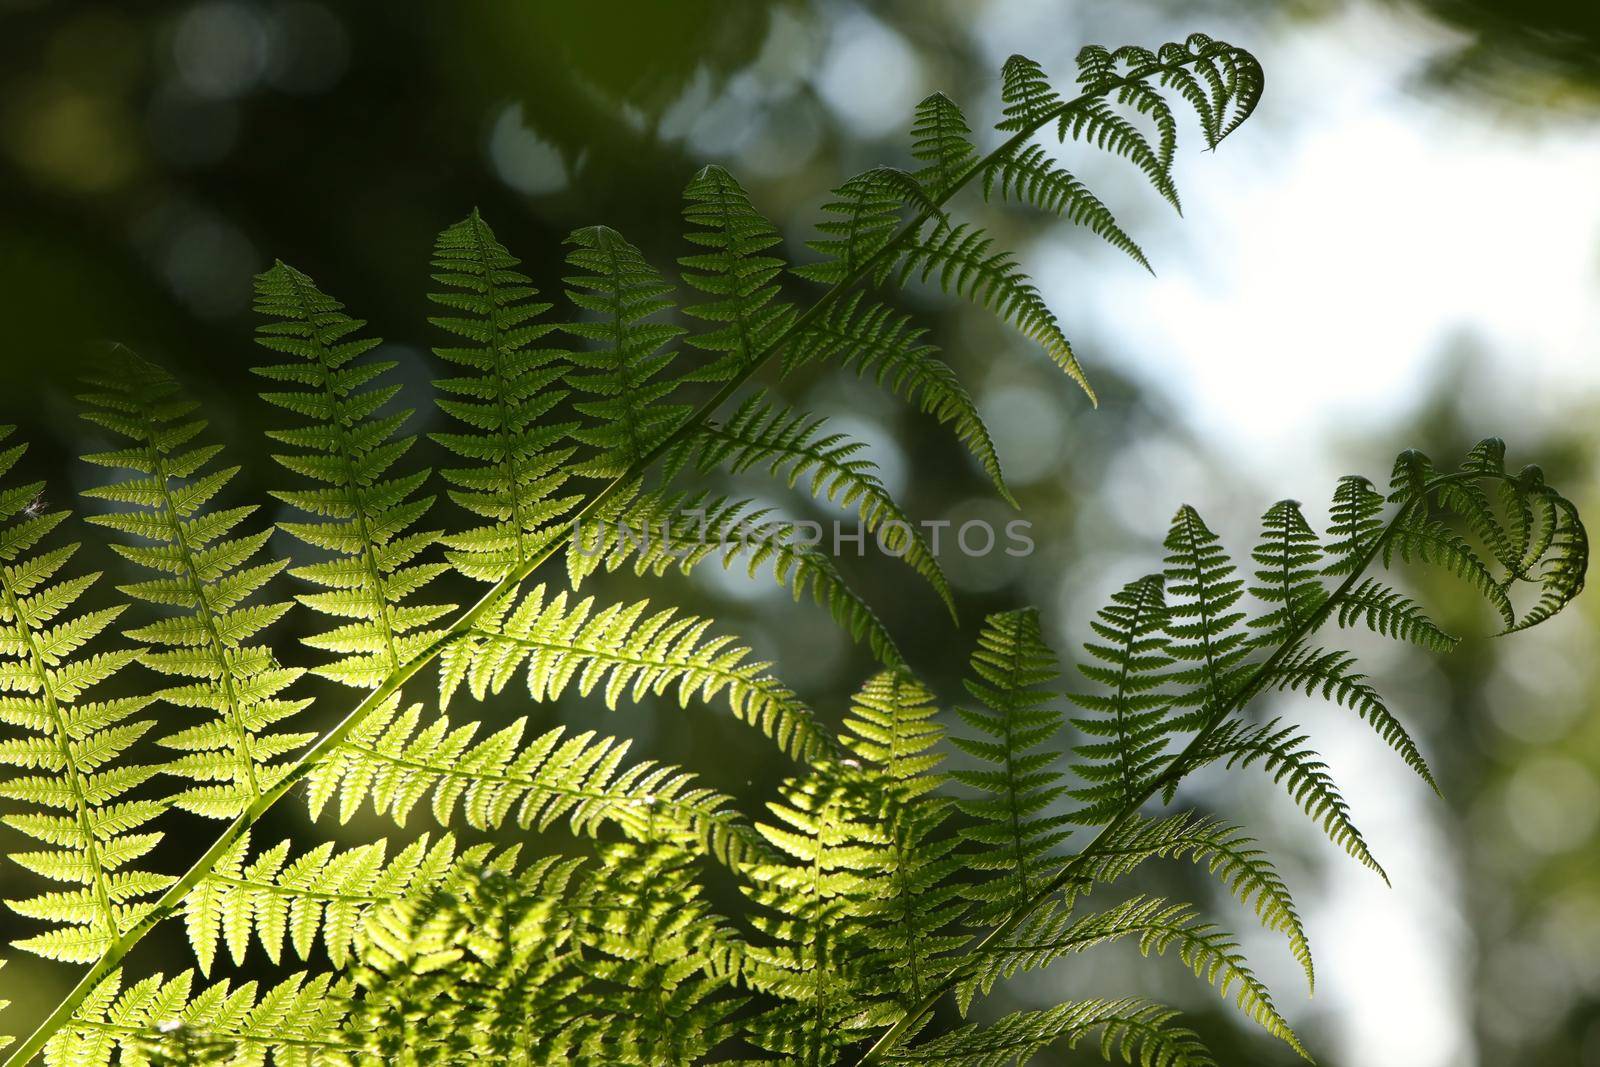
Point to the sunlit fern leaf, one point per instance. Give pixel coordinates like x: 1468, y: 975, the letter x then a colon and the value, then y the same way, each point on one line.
x: 625, y: 372
x: 966, y: 263
x: 360, y: 514
x: 942, y: 141
x: 907, y: 905
x: 234, y: 754
x: 1025, y: 95
x: 1281, y: 752
x: 397, y: 759
x: 1098, y: 123
x: 1203, y: 590
x: 1421, y: 539
x: 1032, y: 176
x: 1228, y: 855
x: 1212, y: 953
x: 661, y: 530
x: 272, y: 899
x: 791, y: 444
x: 861, y: 220
x: 483, y: 966
x: 517, y: 454
x: 1132, y: 715
x: 1288, y: 559
x: 1014, y: 832
x: 659, y: 962
x: 1387, y: 612
x: 735, y: 272
x: 1131, y: 1031
x: 69, y: 748
x: 1355, y: 522
x: 814, y: 958
x: 1333, y: 674
x: 878, y: 342
x: 624, y: 652
x: 295, y: 1023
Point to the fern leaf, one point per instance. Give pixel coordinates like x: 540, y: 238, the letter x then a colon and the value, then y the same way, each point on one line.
x: 859, y: 226
x: 942, y: 140
x: 963, y: 256
x: 1281, y: 753
x: 733, y: 271
x: 1287, y: 565
x: 158, y: 1020
x: 510, y: 385
x: 787, y: 442
x: 1203, y: 591
x: 1387, y: 612
x: 1132, y: 717
x: 235, y: 752
x: 1131, y: 1031
x: 1334, y: 674
x: 1210, y: 952
x: 1013, y: 836
x: 1354, y: 523
x: 875, y: 340
x: 628, y: 414
x: 395, y: 761
x: 1026, y: 96
x: 659, y: 531
x: 1032, y: 176
x: 361, y: 515
x: 92, y: 838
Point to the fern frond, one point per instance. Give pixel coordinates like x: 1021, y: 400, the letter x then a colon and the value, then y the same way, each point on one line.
x: 397, y: 759
x: 660, y: 530
x: 295, y: 1022
x: 1131, y: 1031
x: 763, y: 433
x: 1032, y: 176
x: 734, y: 272
x: 1013, y: 837
x: 624, y: 371
x: 1132, y: 717
x: 876, y: 341
x: 1355, y: 523
x: 272, y: 899
x: 967, y: 264
x: 860, y: 225
x: 1227, y: 854
x: 942, y: 140
x: 92, y: 838
x: 360, y: 514
x: 1421, y: 539
x: 201, y: 559
x: 517, y: 455
x: 1203, y: 590
x: 1287, y: 567
x: 1212, y: 953
x: 1334, y: 674
x: 1387, y: 612
x: 1025, y: 95
x: 1281, y: 753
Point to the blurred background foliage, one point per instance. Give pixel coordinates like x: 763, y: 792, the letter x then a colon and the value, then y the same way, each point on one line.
x: 154, y: 156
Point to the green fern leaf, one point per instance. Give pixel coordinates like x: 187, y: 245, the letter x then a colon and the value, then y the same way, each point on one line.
x: 1131, y: 1031
x: 362, y: 515
x: 1203, y: 591
x: 1287, y: 558
x: 72, y: 747
x: 1031, y: 175
x: 517, y: 454
x: 942, y: 140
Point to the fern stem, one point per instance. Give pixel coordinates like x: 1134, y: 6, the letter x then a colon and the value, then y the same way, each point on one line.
x: 1174, y: 771
x: 169, y: 902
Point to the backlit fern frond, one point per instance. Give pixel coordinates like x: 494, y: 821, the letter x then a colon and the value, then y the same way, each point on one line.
x: 859, y: 227
x: 942, y: 141
x: 622, y: 377
x: 764, y: 433
x: 1288, y: 559
x: 274, y: 900
x: 966, y: 262
x: 1032, y: 176
x: 621, y: 650
x: 162, y: 1021
x: 68, y: 748
x: 397, y: 759
x: 202, y: 561
x: 1131, y: 1031
x: 1212, y: 953
x: 517, y: 455
x: 735, y: 272
x: 361, y: 514
x: 1203, y: 590
x: 1014, y: 834
x: 878, y: 342
x: 1384, y: 611
x: 1132, y: 715
x: 660, y: 530
x: 1282, y: 753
